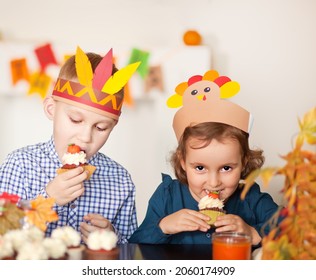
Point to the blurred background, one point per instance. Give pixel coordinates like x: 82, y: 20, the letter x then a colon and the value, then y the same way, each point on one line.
x: 267, y: 46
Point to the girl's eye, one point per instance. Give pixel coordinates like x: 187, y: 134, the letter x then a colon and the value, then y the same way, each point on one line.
x: 207, y: 89
x: 226, y: 168
x: 199, y: 168
x: 194, y: 92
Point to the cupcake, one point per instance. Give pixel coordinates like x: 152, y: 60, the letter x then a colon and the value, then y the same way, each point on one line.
x: 73, y: 158
x: 6, y: 249
x: 32, y: 251
x: 211, y: 206
x: 71, y: 238
x: 55, y: 248
x: 101, y: 245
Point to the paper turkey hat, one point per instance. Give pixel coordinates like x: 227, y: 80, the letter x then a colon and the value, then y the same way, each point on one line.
x: 96, y: 91
x: 203, y: 100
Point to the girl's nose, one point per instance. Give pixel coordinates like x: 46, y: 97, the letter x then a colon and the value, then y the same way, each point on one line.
x: 213, y: 181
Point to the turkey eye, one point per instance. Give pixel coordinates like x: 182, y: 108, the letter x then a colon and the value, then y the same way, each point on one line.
x: 207, y: 89
x: 194, y: 92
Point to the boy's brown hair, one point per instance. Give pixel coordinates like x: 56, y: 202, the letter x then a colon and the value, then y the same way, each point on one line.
x: 206, y: 132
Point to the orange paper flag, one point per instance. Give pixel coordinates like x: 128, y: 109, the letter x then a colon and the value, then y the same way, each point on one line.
x: 19, y: 70
x: 128, y: 99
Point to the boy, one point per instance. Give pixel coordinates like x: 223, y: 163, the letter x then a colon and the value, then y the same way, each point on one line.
x: 85, y: 106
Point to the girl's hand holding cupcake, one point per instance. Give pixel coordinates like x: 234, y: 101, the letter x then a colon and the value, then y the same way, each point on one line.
x: 184, y: 220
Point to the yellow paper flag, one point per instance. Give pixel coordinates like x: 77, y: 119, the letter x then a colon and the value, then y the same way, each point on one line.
x: 39, y: 83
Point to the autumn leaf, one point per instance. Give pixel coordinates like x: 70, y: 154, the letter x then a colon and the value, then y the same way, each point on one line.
x: 307, y: 128
x: 249, y: 181
x: 266, y: 174
x: 41, y: 212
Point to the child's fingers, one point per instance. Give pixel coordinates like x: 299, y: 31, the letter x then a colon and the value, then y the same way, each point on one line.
x: 199, y: 219
x: 101, y: 223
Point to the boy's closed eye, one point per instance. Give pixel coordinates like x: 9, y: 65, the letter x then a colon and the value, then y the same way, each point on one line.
x: 99, y: 128
x: 73, y: 120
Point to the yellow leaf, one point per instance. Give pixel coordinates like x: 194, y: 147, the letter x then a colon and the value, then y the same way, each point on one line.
x: 249, y: 182
x: 307, y: 128
x: 266, y: 174
x: 83, y: 67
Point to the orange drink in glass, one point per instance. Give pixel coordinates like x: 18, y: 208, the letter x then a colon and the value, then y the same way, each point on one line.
x: 231, y: 246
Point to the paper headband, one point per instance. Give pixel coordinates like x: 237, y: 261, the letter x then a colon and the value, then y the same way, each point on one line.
x: 201, y: 101
x: 95, y: 91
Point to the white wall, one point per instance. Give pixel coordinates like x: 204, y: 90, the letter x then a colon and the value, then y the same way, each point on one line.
x: 267, y: 46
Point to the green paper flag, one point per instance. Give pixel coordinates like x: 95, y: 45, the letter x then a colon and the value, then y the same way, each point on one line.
x: 143, y: 57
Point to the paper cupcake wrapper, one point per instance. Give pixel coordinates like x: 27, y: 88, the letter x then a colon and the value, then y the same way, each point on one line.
x: 212, y: 214
x: 89, y: 168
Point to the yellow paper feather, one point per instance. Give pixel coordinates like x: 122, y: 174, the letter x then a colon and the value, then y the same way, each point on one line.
x: 116, y: 82
x: 174, y: 101
x: 84, y: 69
x: 229, y: 89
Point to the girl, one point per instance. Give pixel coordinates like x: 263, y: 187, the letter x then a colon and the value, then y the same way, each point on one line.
x: 210, y: 157
x: 213, y: 155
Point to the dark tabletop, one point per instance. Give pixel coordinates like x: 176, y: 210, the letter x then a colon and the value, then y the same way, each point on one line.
x: 164, y: 252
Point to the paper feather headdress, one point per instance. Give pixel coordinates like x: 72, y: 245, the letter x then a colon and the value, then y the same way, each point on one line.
x: 203, y: 100
x: 95, y: 91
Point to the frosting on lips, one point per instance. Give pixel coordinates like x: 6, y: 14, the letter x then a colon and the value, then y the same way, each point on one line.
x: 74, y: 159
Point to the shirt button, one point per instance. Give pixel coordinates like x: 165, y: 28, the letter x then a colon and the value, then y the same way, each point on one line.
x: 208, y: 235
x: 73, y: 206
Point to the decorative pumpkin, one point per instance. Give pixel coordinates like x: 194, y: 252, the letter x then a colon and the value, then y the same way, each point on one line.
x: 192, y: 38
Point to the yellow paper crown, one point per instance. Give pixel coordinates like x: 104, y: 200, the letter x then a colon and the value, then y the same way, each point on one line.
x: 202, y: 100
x: 95, y: 91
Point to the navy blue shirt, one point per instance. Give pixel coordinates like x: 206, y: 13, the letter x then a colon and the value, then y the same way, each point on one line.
x: 172, y: 196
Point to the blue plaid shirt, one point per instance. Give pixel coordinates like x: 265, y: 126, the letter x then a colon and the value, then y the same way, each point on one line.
x: 110, y: 192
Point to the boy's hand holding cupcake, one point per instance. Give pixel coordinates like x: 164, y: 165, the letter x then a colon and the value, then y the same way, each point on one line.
x: 68, y: 184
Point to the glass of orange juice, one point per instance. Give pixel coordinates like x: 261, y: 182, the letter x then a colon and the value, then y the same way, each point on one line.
x: 231, y: 246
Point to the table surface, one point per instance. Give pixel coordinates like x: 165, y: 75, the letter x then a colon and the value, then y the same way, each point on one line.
x: 162, y: 252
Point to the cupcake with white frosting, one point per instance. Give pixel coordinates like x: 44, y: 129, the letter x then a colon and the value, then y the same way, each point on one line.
x: 212, y: 206
x: 71, y: 238
x: 6, y: 249
x: 102, y: 245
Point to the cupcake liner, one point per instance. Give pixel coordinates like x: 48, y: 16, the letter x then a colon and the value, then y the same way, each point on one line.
x: 89, y: 168
x: 213, y: 214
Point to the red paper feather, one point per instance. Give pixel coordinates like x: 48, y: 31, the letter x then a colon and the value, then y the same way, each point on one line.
x: 103, y: 71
